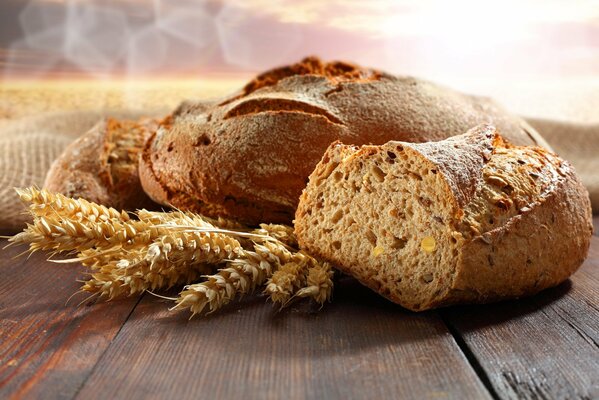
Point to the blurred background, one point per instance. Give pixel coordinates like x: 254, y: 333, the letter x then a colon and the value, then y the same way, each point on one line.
x: 139, y: 54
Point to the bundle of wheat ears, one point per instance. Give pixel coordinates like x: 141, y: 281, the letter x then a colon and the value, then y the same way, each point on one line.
x: 218, y: 260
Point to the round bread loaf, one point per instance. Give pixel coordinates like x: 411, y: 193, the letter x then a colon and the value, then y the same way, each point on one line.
x: 467, y: 219
x: 249, y: 156
x: 102, y: 165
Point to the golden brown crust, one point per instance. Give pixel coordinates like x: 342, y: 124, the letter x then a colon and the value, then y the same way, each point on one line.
x: 102, y: 165
x: 249, y: 157
x: 538, y: 248
x: 518, y: 219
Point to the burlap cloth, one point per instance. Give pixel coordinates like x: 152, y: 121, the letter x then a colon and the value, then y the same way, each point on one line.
x: 29, y: 145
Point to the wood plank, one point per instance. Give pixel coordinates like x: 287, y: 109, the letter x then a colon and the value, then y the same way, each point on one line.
x: 546, y: 346
x: 48, y: 349
x: 360, y: 346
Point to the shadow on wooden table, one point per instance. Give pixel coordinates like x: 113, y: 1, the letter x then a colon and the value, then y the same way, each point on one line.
x: 483, y: 315
x: 356, y: 319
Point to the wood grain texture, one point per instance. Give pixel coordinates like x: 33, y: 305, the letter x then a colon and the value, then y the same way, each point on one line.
x: 543, y: 347
x: 360, y: 346
x: 596, y: 224
x: 47, y: 348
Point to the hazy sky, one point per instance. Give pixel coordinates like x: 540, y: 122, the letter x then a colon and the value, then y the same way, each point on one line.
x: 527, y: 38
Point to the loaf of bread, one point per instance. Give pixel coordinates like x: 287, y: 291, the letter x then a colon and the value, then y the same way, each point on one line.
x: 102, y: 165
x: 469, y: 219
x: 249, y: 156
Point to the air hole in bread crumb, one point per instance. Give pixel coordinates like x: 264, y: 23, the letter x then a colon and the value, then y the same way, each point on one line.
x: 434, y: 171
x: 415, y: 176
x: 337, y: 216
x: 395, y: 213
x: 427, y: 278
x: 426, y: 202
x: 398, y: 243
x: 378, y: 173
x: 338, y: 176
x: 336, y: 245
x: 508, y: 189
x: 170, y: 147
x: 371, y: 237
x: 203, y: 140
x: 328, y: 170
x: 391, y: 155
x: 399, y: 148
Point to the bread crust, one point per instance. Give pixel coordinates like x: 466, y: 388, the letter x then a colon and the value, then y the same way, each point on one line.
x: 102, y: 165
x: 532, y: 234
x: 249, y: 156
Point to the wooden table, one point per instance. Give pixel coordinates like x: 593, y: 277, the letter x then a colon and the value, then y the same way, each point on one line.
x: 359, y: 346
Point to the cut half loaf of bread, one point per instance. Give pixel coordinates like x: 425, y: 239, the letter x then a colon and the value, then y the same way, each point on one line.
x: 468, y: 219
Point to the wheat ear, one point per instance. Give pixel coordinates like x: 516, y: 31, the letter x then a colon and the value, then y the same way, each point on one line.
x: 288, y: 279
x: 171, y: 259
x: 283, y: 233
x: 319, y: 283
x: 53, y: 232
x: 178, y: 218
x: 239, y: 277
x: 43, y: 203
